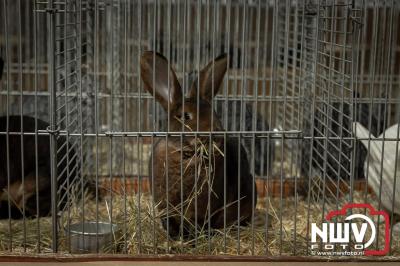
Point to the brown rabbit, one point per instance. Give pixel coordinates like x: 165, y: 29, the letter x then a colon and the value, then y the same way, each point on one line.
x: 196, y: 155
x: 23, y: 195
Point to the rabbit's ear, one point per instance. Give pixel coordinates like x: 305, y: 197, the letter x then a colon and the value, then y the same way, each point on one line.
x: 391, y: 132
x: 166, y: 90
x: 361, y: 132
x: 210, y: 78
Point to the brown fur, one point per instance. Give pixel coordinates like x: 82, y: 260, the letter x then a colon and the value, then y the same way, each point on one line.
x: 174, y: 189
x: 24, y: 197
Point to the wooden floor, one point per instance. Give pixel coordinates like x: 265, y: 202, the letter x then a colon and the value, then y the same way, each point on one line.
x: 182, y: 263
x: 122, y: 260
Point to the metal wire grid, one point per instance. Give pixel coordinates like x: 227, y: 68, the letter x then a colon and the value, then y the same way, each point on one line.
x: 71, y: 22
x: 94, y: 103
x: 113, y: 94
x: 366, y: 97
x: 25, y: 59
x: 333, y: 91
x: 302, y: 33
x: 379, y: 60
x: 165, y: 14
x: 35, y: 62
x: 314, y: 69
x: 349, y: 87
x: 26, y: 72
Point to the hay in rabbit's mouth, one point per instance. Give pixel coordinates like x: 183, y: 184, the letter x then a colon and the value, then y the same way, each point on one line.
x: 204, y: 159
x: 201, y: 141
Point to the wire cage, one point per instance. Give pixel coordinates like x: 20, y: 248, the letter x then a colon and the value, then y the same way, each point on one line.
x: 78, y: 125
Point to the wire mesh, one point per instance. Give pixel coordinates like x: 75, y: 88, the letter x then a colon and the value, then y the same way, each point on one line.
x: 299, y: 73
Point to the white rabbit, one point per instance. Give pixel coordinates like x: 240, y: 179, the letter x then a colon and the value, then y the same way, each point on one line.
x: 388, y: 152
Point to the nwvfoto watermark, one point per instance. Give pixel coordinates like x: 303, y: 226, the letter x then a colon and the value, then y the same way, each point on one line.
x: 333, y: 238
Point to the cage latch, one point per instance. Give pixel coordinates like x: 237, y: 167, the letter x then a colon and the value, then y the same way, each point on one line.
x: 53, y: 131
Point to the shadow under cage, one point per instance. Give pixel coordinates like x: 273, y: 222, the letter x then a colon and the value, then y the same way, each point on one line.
x: 196, y: 127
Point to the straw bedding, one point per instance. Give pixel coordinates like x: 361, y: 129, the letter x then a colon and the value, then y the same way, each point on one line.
x: 275, y: 229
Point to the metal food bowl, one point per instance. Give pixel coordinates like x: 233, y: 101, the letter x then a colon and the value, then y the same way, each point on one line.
x: 86, y: 237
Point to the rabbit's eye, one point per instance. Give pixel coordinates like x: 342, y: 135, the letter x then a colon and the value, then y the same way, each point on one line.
x: 185, y: 116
